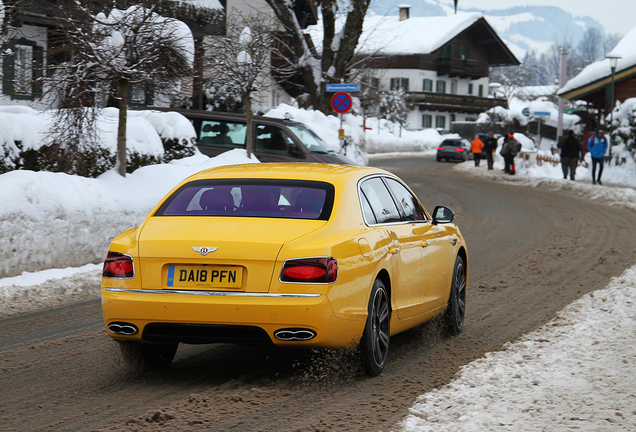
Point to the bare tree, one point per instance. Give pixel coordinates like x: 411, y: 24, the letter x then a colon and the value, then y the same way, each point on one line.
x: 591, y: 46
x: 338, y: 48
x: 109, y: 55
x: 240, y: 60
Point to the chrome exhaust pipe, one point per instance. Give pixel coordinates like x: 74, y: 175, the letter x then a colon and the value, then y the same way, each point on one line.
x: 295, y: 334
x: 122, y: 328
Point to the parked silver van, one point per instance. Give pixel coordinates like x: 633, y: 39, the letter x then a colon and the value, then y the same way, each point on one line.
x: 275, y: 140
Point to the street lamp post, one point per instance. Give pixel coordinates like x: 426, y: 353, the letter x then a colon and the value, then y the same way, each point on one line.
x: 613, y: 63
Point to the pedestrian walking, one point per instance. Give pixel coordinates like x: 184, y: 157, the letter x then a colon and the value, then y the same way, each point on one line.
x: 476, y: 146
x: 489, y: 148
x: 571, y: 153
x: 597, y: 146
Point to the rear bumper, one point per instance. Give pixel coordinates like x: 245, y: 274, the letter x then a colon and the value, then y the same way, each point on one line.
x: 225, y: 315
x: 452, y: 155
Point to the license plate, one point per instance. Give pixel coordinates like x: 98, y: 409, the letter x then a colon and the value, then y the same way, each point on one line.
x: 204, y: 277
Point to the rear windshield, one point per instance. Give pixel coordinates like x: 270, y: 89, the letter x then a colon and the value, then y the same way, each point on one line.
x: 293, y: 199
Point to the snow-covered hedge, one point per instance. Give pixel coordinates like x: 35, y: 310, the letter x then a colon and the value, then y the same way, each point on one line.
x: 624, y: 117
x: 151, y: 137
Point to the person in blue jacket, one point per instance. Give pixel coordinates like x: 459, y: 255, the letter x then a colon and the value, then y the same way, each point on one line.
x: 597, y: 146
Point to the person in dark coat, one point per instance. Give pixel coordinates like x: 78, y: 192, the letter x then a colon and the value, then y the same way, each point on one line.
x: 489, y: 148
x: 571, y: 153
x: 509, y: 150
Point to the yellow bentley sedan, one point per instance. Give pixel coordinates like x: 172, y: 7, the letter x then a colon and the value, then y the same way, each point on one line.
x: 291, y: 254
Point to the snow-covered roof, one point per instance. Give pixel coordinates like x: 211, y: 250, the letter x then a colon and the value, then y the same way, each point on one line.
x: 416, y: 35
x: 626, y: 49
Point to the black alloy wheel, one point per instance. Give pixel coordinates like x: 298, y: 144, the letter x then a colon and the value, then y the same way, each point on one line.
x: 374, y: 345
x: 456, y: 309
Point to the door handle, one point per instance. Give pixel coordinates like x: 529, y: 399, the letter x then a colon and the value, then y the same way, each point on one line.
x: 394, y: 250
x: 425, y: 243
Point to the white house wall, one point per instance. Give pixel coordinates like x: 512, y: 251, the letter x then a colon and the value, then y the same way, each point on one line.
x: 416, y: 79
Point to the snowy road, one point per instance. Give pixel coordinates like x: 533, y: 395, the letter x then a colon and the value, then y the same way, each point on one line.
x: 532, y: 251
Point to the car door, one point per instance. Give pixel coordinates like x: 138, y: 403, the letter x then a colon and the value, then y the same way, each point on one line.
x: 434, y: 244
x: 382, y: 213
x: 273, y: 144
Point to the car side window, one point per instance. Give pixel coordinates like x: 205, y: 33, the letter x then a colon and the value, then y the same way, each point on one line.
x: 380, y: 200
x: 367, y: 212
x: 222, y: 134
x: 272, y: 139
x: 409, y: 204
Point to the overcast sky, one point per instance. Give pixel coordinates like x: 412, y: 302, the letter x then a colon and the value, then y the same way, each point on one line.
x: 616, y: 16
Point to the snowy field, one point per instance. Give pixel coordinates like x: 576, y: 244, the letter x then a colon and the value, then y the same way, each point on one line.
x: 576, y: 373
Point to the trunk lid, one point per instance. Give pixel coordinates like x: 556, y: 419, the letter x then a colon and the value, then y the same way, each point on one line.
x: 215, y: 253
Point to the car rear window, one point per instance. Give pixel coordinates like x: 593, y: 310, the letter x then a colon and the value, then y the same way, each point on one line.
x: 293, y: 199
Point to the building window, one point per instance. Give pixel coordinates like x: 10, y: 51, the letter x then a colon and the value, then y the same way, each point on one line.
x: 400, y: 83
x: 427, y: 121
x: 453, y: 88
x: 461, y: 52
x: 471, y: 119
x: 140, y: 94
x: 469, y: 53
x: 441, y: 86
x: 370, y: 83
x: 22, y: 69
x: 427, y: 85
x: 470, y: 88
x: 450, y: 51
x: 440, y: 122
x: 481, y: 90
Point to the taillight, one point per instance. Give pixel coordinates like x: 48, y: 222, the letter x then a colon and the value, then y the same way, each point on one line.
x: 440, y: 148
x: 118, y: 265
x: 459, y: 149
x: 310, y: 270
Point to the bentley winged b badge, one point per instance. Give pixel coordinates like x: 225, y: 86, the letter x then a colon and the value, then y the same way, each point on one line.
x: 204, y: 250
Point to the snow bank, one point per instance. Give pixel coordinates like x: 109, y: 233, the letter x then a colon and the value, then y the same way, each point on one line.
x: 576, y: 372
x: 55, y: 220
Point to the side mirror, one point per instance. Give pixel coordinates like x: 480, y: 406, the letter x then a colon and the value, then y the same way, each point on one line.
x: 442, y: 215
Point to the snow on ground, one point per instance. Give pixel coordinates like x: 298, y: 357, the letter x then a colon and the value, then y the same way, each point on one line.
x: 574, y: 373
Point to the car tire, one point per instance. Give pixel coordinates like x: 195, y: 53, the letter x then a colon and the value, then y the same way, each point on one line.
x: 373, y: 348
x: 439, y: 159
x: 456, y: 308
x: 147, y: 356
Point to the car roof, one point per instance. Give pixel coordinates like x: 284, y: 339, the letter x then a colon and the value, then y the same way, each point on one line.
x: 330, y: 173
x: 218, y: 115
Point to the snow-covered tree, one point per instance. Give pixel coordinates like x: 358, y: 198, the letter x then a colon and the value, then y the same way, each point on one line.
x: 338, y: 47
x: 393, y: 107
x: 624, y: 126
x: 111, y: 55
x: 237, y: 63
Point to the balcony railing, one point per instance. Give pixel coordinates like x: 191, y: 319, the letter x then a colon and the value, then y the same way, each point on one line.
x: 455, y: 67
x: 427, y: 101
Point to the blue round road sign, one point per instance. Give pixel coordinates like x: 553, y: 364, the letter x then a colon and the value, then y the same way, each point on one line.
x: 341, y: 102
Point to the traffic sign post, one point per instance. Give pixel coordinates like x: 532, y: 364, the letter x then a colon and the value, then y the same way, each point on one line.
x: 341, y: 103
